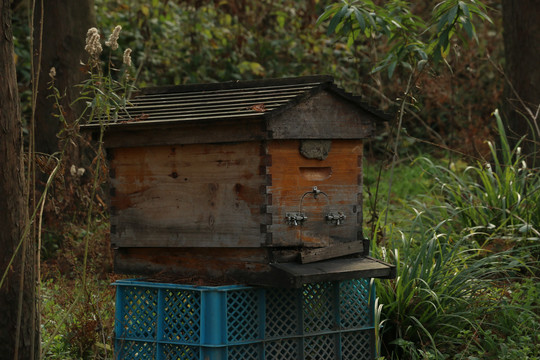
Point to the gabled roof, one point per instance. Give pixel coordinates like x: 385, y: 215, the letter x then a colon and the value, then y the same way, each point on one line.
x: 227, y: 100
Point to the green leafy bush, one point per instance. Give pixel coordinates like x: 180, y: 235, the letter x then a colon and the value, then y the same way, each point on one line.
x: 435, y: 295
x: 496, y: 199
x: 467, y: 264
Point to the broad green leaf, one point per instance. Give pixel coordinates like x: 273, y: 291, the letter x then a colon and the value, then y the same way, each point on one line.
x: 145, y: 10
x: 477, y: 9
x: 360, y: 19
x: 391, y: 68
x: 371, y: 18
x: 406, y: 65
x: 346, y: 28
x: 452, y: 14
x: 281, y: 18
x: 398, y: 25
x: 442, y: 22
x: 336, y: 19
x: 465, y: 9
x: 468, y: 28
x: 330, y: 10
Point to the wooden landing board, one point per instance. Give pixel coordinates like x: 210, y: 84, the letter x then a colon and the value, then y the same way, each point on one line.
x: 330, y: 252
x: 295, y: 275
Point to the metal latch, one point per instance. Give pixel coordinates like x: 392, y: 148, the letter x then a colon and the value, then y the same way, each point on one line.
x: 295, y: 219
x: 336, y: 218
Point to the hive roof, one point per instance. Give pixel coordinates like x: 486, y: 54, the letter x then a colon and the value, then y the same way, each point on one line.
x: 227, y: 100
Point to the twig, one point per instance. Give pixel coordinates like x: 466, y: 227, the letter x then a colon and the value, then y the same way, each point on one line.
x: 409, y: 111
x: 396, y: 144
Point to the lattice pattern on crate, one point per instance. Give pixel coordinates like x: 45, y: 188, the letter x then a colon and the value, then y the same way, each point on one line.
x: 281, y: 313
x: 330, y: 320
x: 319, y: 311
x: 354, y: 304
x: 179, y: 352
x: 139, y: 313
x: 356, y: 345
x: 126, y: 349
x: 320, y: 347
x: 244, y: 352
x: 282, y: 349
x: 243, y: 315
x: 182, y: 315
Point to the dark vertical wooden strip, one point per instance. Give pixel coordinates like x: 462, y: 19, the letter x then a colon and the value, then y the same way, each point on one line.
x: 110, y: 154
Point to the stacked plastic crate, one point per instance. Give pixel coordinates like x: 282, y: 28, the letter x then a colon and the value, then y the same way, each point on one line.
x: 330, y: 320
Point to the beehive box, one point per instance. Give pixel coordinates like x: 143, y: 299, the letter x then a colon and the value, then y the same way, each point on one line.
x: 329, y: 320
x: 258, y: 182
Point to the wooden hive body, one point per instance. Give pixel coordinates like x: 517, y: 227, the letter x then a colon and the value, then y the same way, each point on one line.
x: 256, y: 182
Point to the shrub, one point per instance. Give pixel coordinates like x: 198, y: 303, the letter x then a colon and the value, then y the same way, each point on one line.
x: 460, y: 287
x: 435, y: 295
x: 500, y: 198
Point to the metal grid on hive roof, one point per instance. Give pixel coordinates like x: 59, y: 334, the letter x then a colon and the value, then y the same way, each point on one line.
x: 227, y: 100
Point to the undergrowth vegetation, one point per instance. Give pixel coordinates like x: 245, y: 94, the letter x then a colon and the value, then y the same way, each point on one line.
x: 467, y: 260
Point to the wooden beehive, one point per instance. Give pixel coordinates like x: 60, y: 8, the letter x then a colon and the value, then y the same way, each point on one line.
x: 257, y: 182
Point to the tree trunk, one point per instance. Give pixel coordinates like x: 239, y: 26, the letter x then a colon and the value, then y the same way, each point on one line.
x: 63, y: 40
x: 521, y: 22
x: 19, y: 325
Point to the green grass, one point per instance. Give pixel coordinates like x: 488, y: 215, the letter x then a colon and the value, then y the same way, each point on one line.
x: 77, y: 324
x: 465, y: 243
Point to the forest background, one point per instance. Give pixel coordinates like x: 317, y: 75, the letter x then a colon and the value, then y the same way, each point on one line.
x: 441, y: 152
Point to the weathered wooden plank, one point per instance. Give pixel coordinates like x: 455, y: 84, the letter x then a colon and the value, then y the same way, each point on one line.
x: 323, y: 116
x: 225, y: 265
x: 336, y: 250
x: 187, y: 195
x: 295, y: 275
x: 188, y: 132
x: 240, y: 265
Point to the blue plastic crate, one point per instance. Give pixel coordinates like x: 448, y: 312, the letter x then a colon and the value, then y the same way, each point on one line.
x: 331, y: 320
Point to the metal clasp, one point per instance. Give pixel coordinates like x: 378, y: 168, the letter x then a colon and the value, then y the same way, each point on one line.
x: 336, y: 218
x: 295, y: 219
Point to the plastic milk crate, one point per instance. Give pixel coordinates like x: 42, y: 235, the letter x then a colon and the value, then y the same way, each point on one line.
x: 320, y: 321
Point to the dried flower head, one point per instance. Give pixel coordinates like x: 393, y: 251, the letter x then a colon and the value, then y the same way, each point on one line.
x: 52, y: 72
x: 113, y: 38
x: 93, y: 44
x: 127, y: 57
x: 75, y: 171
